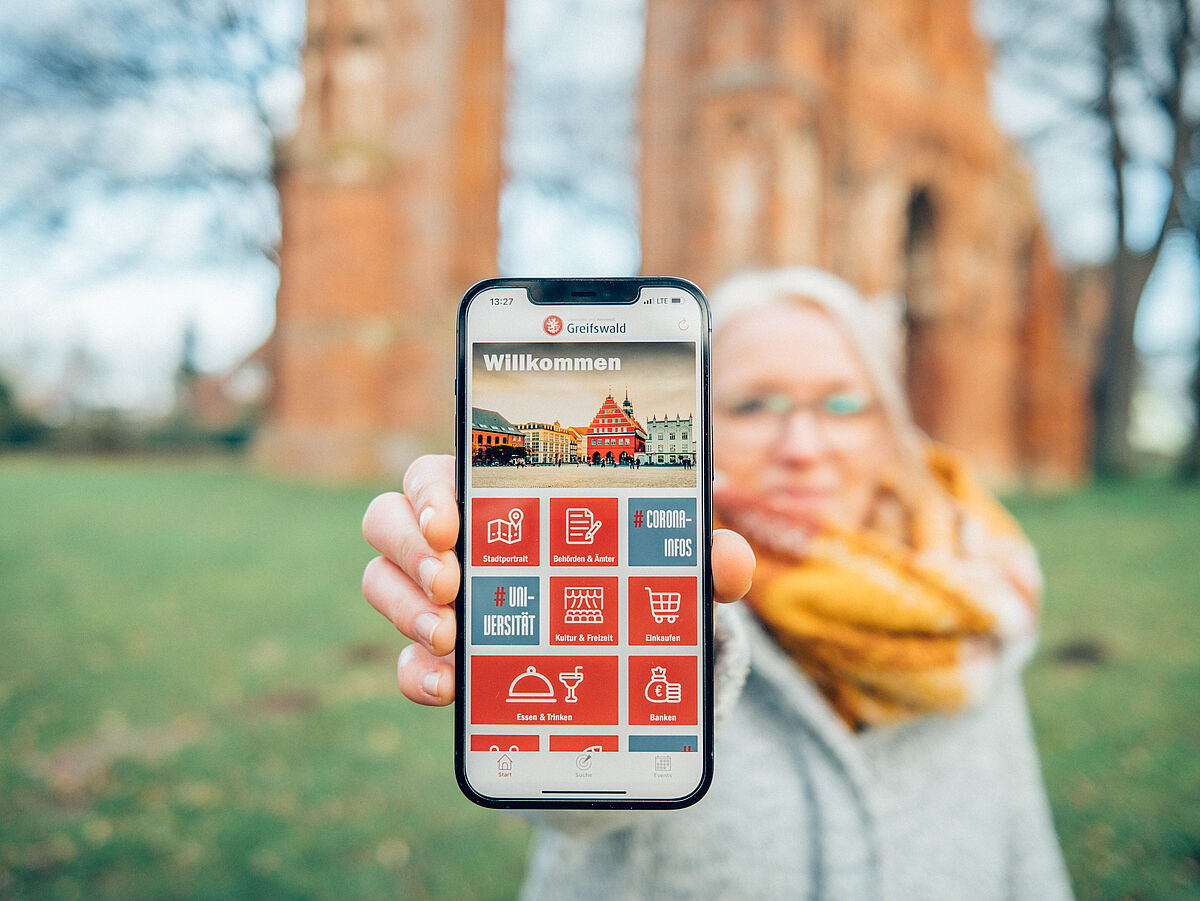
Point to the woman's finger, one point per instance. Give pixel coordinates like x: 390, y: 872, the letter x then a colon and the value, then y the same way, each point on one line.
x: 390, y: 591
x: 424, y: 678
x: 732, y: 565
x: 429, y: 486
x: 390, y: 527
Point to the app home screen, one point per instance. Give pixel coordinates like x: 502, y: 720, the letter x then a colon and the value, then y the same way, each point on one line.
x: 584, y: 560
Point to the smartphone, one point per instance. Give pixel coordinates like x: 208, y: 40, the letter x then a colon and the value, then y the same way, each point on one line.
x: 585, y: 619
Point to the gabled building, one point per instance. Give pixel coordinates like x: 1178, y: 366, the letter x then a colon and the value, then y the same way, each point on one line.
x: 579, y: 434
x: 670, y: 441
x: 614, y: 435
x: 494, y: 438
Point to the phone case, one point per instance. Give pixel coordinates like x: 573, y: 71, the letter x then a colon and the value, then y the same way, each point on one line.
x: 510, y: 522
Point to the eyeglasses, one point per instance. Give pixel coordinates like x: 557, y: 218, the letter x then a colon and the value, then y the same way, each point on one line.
x: 846, y: 418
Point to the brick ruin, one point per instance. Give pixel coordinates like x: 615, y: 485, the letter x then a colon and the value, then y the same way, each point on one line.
x: 389, y: 194
x: 850, y: 135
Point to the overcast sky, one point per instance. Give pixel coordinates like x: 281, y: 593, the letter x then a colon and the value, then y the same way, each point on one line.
x: 116, y: 280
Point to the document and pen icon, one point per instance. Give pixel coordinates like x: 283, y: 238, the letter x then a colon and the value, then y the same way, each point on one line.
x: 582, y: 525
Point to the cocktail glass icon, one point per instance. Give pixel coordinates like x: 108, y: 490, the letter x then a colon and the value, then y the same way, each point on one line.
x: 506, y: 531
x: 582, y: 525
x: 571, y: 679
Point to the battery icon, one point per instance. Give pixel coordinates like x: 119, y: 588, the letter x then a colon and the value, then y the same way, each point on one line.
x: 676, y: 300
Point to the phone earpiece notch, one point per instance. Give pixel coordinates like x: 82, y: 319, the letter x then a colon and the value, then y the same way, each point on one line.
x: 586, y: 291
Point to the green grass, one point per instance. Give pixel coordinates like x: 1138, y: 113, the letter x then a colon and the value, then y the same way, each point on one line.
x: 196, y: 702
x: 1120, y: 738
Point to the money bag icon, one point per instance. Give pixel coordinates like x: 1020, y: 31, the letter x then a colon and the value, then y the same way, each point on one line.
x: 659, y: 690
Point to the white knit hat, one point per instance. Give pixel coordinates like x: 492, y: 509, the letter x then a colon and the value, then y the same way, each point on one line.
x: 872, y: 328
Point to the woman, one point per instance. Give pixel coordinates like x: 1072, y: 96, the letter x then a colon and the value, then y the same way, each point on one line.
x: 872, y: 735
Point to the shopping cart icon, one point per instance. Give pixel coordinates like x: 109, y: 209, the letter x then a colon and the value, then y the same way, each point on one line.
x: 664, y: 605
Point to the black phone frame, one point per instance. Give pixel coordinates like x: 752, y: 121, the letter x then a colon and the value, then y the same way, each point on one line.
x: 586, y: 291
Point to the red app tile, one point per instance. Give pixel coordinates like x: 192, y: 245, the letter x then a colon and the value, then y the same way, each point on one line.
x: 505, y: 743
x: 583, y: 610
x: 662, y: 691
x: 583, y: 531
x: 504, y: 531
x: 662, y: 610
x: 578, y: 743
x: 543, y: 691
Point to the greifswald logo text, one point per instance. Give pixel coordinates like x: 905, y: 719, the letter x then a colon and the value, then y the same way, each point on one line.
x: 610, y: 327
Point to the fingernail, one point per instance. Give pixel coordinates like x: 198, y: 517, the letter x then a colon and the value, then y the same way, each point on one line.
x: 429, y: 684
x: 406, y: 655
x: 426, y: 515
x: 427, y: 571
x: 427, y: 624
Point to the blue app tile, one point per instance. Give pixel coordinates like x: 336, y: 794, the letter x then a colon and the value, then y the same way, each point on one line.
x: 505, y: 610
x: 663, y: 743
x: 662, y: 531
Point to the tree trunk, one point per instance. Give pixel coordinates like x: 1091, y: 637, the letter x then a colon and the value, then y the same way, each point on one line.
x: 1112, y: 387
x: 1116, y: 375
x: 1112, y: 390
x: 1189, y: 463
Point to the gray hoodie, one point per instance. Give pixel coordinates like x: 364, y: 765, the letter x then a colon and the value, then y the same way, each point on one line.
x: 941, y: 807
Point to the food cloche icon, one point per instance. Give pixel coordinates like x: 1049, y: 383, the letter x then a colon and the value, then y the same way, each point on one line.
x: 530, y: 687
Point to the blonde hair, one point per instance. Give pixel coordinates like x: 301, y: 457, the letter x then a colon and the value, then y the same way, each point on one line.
x: 871, y: 327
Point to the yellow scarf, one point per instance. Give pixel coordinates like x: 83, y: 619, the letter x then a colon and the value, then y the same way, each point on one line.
x: 920, y: 616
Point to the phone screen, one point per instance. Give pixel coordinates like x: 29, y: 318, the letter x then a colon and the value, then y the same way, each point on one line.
x: 585, y: 616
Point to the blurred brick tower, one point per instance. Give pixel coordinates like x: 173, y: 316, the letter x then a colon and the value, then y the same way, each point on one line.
x: 389, y: 195
x: 848, y: 134
x: 856, y: 136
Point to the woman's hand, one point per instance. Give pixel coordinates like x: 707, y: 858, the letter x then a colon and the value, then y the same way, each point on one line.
x: 415, y: 579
